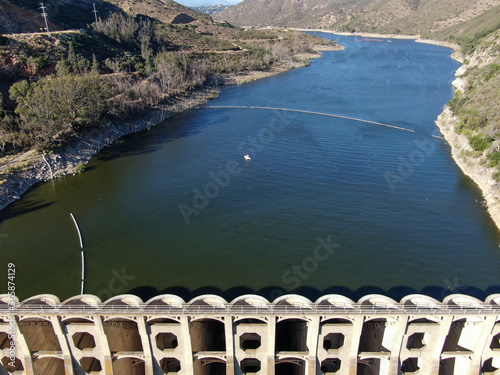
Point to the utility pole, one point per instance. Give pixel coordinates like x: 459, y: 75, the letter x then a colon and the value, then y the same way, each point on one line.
x: 95, y: 13
x: 44, y: 14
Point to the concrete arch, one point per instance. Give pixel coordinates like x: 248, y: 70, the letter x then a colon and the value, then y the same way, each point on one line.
x: 6, y: 299
x: 28, y: 317
x: 169, y: 300
x: 291, y: 359
x: 70, y: 318
x: 378, y: 300
x: 129, y: 366
x: 431, y: 318
x: 252, y: 300
x: 492, y: 299
x: 48, y: 355
x: 49, y: 365
x: 388, y: 319
x: 210, y: 358
x: 289, y: 317
x: 462, y: 300
x: 335, y: 300
x: 124, y: 300
x: 290, y: 366
x: 41, y: 299
x: 244, y: 317
x: 420, y: 301
x: 128, y: 355
x: 199, y: 318
x: 83, y: 300
x: 109, y: 318
x: 211, y: 300
x: 293, y: 300
x: 163, y: 319
x: 342, y: 319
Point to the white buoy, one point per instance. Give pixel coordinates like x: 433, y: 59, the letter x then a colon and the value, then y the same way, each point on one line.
x: 247, y: 157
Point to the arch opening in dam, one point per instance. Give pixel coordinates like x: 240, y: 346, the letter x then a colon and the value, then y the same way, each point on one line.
x: 49, y: 365
x: 210, y: 366
x: 207, y: 335
x: 291, y: 335
x: 129, y: 366
x: 290, y: 366
x: 370, y: 366
x: 123, y: 335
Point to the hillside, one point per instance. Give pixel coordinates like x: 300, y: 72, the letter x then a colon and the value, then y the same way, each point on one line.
x: 24, y: 16
x: 383, y: 16
x: 471, y: 124
x: 63, y: 92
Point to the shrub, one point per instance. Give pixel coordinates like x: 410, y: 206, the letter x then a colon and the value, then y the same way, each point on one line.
x: 479, y: 142
x: 494, y: 159
x: 496, y: 176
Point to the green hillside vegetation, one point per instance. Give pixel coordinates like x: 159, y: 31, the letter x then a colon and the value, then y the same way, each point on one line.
x: 61, y: 84
x: 478, y: 108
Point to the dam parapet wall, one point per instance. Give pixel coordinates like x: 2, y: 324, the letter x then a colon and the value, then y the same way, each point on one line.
x: 250, y: 335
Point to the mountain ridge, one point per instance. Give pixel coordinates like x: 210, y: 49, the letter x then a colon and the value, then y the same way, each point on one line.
x: 413, y: 17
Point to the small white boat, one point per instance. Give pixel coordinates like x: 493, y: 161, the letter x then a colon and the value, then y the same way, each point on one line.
x: 247, y: 157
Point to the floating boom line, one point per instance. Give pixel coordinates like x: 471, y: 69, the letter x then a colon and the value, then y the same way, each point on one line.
x: 83, y: 274
x: 313, y: 113
x: 83, y: 256
x: 78, y: 230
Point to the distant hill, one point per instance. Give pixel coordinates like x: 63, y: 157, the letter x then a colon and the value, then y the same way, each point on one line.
x: 211, y: 9
x: 22, y: 16
x: 384, y: 16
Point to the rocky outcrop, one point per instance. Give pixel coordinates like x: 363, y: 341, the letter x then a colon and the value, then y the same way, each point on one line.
x: 472, y: 167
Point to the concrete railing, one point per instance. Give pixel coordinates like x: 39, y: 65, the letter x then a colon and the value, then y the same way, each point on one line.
x: 249, y: 310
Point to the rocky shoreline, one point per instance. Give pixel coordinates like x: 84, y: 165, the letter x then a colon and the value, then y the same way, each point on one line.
x: 472, y: 167
x: 32, y: 167
x: 67, y: 161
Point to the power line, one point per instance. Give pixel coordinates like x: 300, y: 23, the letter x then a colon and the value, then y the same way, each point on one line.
x: 44, y: 14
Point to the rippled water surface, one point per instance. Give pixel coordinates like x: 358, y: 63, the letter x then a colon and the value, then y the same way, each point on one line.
x: 389, y: 206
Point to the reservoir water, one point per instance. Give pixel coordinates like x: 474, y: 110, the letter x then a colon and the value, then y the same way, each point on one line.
x: 325, y: 203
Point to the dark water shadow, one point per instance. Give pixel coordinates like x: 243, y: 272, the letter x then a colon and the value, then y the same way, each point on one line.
x: 145, y: 141
x: 272, y: 292
x: 23, y: 207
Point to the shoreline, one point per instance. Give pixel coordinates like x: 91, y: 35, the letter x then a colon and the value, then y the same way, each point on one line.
x: 32, y: 167
x: 446, y: 123
x: 80, y: 152
x: 416, y: 38
x: 471, y: 167
x: 75, y: 155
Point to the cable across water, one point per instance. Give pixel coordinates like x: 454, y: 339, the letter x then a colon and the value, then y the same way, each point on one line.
x: 312, y: 113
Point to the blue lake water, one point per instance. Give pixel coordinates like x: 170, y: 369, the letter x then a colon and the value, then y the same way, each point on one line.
x: 326, y: 203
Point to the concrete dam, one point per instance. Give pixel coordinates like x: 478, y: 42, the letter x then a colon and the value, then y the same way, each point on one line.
x: 250, y: 335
